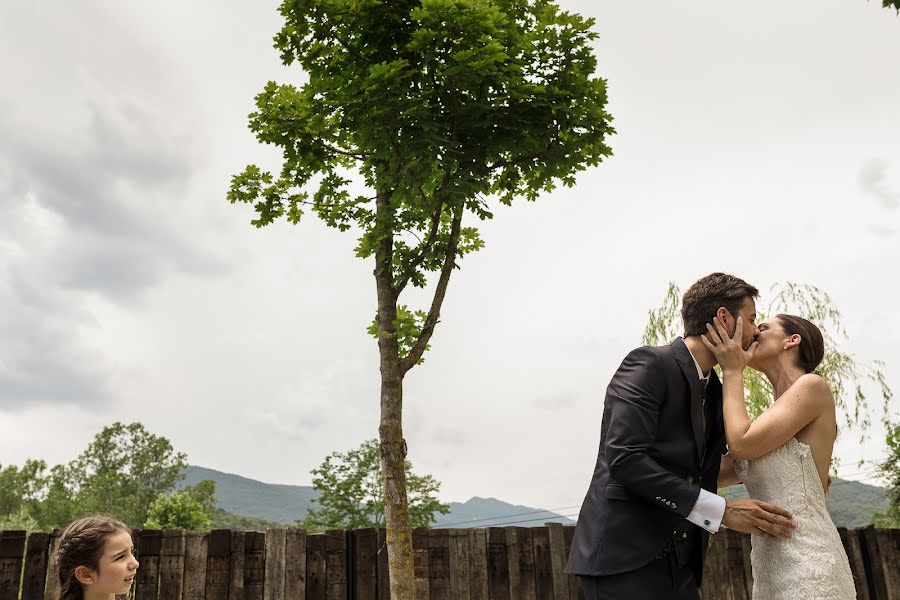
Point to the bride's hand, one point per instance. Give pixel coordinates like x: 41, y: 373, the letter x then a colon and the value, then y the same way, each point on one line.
x: 728, y: 350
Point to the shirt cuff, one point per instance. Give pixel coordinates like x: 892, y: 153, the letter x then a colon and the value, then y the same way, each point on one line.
x: 708, y: 511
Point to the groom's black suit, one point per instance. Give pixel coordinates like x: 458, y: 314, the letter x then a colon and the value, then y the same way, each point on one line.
x: 655, y: 455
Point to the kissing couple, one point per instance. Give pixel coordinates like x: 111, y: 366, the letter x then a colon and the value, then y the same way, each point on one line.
x: 672, y: 434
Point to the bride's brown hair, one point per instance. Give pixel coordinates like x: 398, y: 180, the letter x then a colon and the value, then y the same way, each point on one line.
x: 80, y: 544
x: 812, y: 346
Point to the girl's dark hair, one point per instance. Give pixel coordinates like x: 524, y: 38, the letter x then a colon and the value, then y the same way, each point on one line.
x: 701, y: 301
x: 812, y: 347
x: 80, y: 544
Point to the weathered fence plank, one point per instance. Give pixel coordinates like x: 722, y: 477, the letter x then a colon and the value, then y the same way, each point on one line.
x: 52, y: 583
x: 236, y: 566
x: 254, y: 564
x: 543, y: 566
x: 336, y: 559
x: 218, y: 565
x: 857, y: 565
x: 715, y: 573
x: 273, y: 587
x: 439, y: 564
x: 525, y: 563
x: 35, y: 575
x: 420, y: 563
x: 316, y: 580
x: 384, y: 579
x: 558, y: 560
x: 295, y: 565
x: 734, y: 561
x: 171, y: 564
x: 194, y: 583
x: 498, y: 564
x: 149, y: 545
x: 12, y: 555
x: 365, y: 564
x: 478, y: 569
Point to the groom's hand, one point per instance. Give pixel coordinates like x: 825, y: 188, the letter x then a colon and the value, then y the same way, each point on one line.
x: 758, y: 518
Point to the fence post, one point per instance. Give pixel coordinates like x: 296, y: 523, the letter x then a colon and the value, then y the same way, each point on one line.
x: 171, y: 564
x: 478, y: 570
x: 439, y: 564
x: 273, y: 588
x: 149, y: 544
x: 295, y: 565
x: 498, y: 564
x: 558, y: 560
x: 12, y: 553
x: 36, y: 558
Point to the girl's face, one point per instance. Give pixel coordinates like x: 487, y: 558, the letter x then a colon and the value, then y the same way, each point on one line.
x: 116, y: 570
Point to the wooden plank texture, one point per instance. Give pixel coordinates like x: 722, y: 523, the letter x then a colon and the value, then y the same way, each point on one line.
x: 295, y: 565
x: 194, y: 583
x: 254, y: 564
x: 36, y: 559
x: 171, y: 564
x: 12, y: 556
x: 149, y: 545
x: 273, y: 588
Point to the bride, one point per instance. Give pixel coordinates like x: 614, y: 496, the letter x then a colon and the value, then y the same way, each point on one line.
x: 784, y: 455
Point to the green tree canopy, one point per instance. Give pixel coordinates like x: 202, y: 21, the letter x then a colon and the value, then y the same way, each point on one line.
x: 415, y: 116
x: 192, y: 507
x: 121, y: 472
x: 349, y: 486
x: 850, y: 380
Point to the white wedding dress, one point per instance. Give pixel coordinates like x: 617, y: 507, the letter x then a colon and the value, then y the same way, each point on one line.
x: 812, y: 564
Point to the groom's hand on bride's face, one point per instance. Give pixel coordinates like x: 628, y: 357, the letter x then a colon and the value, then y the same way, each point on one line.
x: 758, y: 518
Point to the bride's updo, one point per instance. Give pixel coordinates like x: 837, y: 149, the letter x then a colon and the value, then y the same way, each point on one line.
x: 812, y: 346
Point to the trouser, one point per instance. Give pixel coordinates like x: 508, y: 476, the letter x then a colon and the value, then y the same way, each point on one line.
x: 661, y: 579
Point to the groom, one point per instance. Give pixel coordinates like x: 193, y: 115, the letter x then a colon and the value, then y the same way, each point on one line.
x: 652, y: 503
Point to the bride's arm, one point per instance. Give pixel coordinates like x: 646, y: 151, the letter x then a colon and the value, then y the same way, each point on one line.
x: 797, y: 408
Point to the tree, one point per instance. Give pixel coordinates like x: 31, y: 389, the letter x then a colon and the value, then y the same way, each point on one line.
x: 439, y: 107
x: 848, y: 378
x: 349, y: 486
x: 121, y: 472
x: 890, y: 470
x: 191, y: 507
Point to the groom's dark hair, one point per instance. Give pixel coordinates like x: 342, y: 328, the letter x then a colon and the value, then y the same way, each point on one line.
x: 703, y: 299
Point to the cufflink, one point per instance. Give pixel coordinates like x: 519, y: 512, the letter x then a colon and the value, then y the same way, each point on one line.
x: 707, y: 522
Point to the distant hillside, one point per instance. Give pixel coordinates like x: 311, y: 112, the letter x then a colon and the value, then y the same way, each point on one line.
x: 248, y: 497
x: 850, y: 503
x: 485, y: 512
x: 251, y: 504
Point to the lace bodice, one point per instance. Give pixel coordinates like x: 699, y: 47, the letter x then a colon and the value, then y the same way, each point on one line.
x: 812, y: 564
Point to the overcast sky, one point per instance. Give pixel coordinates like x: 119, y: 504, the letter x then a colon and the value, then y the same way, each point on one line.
x: 761, y: 139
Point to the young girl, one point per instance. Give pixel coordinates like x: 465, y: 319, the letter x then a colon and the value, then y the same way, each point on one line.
x: 95, y: 560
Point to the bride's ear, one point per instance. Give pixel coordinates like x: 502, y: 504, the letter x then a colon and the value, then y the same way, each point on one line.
x: 792, y: 341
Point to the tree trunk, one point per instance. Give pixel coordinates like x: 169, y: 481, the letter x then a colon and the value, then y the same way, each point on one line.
x: 390, y: 430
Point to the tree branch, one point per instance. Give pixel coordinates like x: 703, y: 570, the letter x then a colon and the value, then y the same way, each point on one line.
x: 431, y: 320
x: 403, y: 280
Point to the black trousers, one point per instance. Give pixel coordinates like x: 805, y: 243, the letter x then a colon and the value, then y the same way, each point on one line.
x: 662, y: 579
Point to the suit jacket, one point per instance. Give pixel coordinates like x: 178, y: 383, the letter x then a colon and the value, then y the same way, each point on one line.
x: 654, y: 457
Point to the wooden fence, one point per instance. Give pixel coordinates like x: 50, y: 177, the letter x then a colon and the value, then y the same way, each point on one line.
x: 508, y: 563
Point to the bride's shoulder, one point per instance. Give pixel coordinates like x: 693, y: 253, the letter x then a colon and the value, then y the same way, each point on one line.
x: 814, y: 388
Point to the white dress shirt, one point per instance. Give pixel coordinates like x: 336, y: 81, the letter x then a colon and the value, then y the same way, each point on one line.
x: 709, y: 508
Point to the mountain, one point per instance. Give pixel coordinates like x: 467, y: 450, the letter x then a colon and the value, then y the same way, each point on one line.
x: 850, y: 503
x: 488, y: 512
x: 248, y: 497
x: 252, y: 504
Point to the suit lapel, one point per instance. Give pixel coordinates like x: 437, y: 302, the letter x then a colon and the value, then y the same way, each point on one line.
x: 689, y: 369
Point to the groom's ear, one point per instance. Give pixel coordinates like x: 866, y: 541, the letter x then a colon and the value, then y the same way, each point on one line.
x: 722, y: 316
